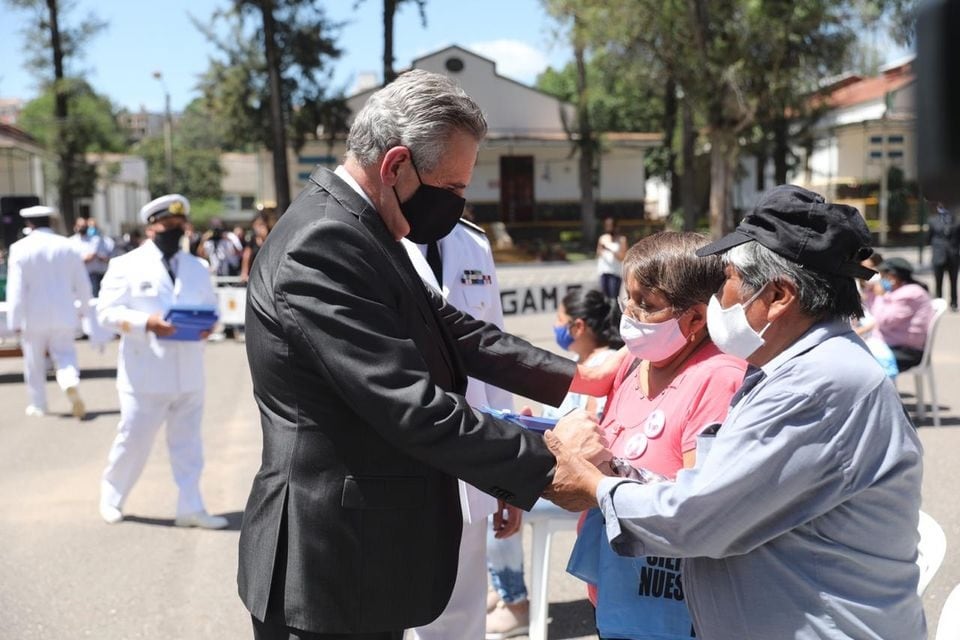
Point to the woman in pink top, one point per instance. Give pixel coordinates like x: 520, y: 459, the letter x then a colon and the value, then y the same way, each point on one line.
x: 675, y: 384
x: 902, y: 312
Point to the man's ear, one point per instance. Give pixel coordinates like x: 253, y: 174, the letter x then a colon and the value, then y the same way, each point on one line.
x: 390, y: 165
x: 784, y: 296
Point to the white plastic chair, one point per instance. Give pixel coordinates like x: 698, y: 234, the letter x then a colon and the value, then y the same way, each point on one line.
x: 930, y: 550
x: 925, y: 368
x: 543, y: 527
x: 949, y: 626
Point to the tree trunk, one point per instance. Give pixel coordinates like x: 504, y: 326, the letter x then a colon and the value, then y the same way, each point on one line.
x: 781, y: 149
x: 588, y: 206
x: 669, y: 127
x: 724, y: 153
x: 688, y: 181
x: 389, y: 9
x: 65, y: 144
x: 761, y: 157
x: 281, y: 176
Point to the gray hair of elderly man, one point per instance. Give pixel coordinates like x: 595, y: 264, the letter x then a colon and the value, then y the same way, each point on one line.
x: 418, y: 110
x: 821, y: 295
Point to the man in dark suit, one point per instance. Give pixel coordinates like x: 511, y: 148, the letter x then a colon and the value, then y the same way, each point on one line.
x: 943, y: 235
x: 353, y: 522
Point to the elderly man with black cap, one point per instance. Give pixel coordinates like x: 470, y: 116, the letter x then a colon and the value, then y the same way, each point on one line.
x: 800, y: 517
x: 160, y: 381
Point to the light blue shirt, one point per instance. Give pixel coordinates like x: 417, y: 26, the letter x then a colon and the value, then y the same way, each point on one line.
x: 800, y: 517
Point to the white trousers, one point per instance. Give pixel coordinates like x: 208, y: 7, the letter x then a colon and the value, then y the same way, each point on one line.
x: 35, y: 345
x: 141, y: 416
x: 465, y: 616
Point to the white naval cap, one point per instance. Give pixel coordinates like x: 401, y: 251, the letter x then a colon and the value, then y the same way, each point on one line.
x: 172, y: 204
x: 39, y: 211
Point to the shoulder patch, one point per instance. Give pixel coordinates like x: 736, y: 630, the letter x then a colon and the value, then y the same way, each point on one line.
x: 472, y: 226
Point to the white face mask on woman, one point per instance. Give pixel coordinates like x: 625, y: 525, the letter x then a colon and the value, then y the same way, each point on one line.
x: 730, y: 330
x: 653, y: 341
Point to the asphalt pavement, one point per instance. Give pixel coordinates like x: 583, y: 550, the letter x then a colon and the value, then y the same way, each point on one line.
x: 67, y: 574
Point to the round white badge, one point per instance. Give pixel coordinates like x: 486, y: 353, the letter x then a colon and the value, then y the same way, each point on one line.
x: 635, y: 446
x: 655, y: 424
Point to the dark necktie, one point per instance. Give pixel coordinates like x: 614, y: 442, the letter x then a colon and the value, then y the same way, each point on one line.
x: 169, y: 268
x: 751, y: 379
x: 436, y: 264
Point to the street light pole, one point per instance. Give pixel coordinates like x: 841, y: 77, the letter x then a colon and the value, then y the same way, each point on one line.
x: 167, y: 131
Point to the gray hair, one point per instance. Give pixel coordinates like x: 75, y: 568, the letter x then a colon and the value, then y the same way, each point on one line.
x: 419, y: 110
x: 821, y: 295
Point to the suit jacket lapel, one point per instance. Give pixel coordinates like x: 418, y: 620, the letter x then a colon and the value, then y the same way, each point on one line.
x: 395, y: 253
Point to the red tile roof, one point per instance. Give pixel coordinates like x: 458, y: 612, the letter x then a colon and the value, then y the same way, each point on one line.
x: 20, y: 135
x: 856, y: 90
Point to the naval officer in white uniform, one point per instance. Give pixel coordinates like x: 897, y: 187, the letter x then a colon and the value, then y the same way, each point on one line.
x: 45, y: 280
x: 160, y: 381
x: 461, y: 267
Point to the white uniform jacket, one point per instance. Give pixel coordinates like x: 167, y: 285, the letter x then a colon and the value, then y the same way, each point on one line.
x: 45, y: 278
x: 469, y: 284
x: 136, y: 286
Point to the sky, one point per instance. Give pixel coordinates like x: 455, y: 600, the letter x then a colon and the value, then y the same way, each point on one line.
x: 143, y: 37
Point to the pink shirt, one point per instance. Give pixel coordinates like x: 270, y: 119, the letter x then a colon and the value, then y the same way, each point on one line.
x: 903, y: 316
x: 655, y: 432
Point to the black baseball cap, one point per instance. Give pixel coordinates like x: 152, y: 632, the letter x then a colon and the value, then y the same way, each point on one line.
x: 900, y: 266
x: 801, y: 226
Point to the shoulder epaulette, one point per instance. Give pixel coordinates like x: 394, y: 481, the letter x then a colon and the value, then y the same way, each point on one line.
x: 472, y: 226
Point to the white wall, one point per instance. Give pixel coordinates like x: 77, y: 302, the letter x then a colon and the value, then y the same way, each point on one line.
x: 18, y: 173
x: 119, y: 196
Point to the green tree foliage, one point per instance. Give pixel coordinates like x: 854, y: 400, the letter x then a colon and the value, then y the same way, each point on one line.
x: 743, y: 67
x: 258, y: 108
x: 53, y: 46
x: 92, y: 119
x: 197, y: 141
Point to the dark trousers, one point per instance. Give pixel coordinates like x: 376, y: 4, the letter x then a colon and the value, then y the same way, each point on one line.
x: 277, y: 631
x: 906, y: 357
x: 610, y: 285
x: 950, y: 268
x: 95, y: 280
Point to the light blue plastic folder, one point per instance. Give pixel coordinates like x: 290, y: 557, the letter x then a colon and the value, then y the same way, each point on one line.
x: 533, y: 423
x: 190, y: 321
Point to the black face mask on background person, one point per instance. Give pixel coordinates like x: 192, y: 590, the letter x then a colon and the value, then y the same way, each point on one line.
x: 432, y: 212
x: 168, y: 241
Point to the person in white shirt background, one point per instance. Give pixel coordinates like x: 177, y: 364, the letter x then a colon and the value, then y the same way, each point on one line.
x: 95, y: 250
x: 461, y: 267
x: 611, y: 248
x: 159, y: 381
x: 45, y: 280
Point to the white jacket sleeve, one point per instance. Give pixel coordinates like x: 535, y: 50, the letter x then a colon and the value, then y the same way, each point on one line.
x: 15, y: 293
x: 113, y: 311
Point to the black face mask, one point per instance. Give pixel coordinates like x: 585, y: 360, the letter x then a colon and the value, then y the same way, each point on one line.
x: 168, y: 241
x: 432, y: 212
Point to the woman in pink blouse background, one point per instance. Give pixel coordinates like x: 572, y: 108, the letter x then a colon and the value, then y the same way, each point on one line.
x: 902, y: 311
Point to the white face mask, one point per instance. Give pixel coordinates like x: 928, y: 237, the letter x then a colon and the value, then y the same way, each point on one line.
x: 652, y: 341
x: 730, y: 330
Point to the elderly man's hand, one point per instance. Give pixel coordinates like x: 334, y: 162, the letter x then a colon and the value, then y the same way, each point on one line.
x: 578, y: 446
x: 581, y: 436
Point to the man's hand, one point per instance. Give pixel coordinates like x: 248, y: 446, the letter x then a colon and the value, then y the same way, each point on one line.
x: 581, y: 436
x: 598, y: 380
x: 159, y: 326
x: 575, y: 480
x: 506, y: 524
